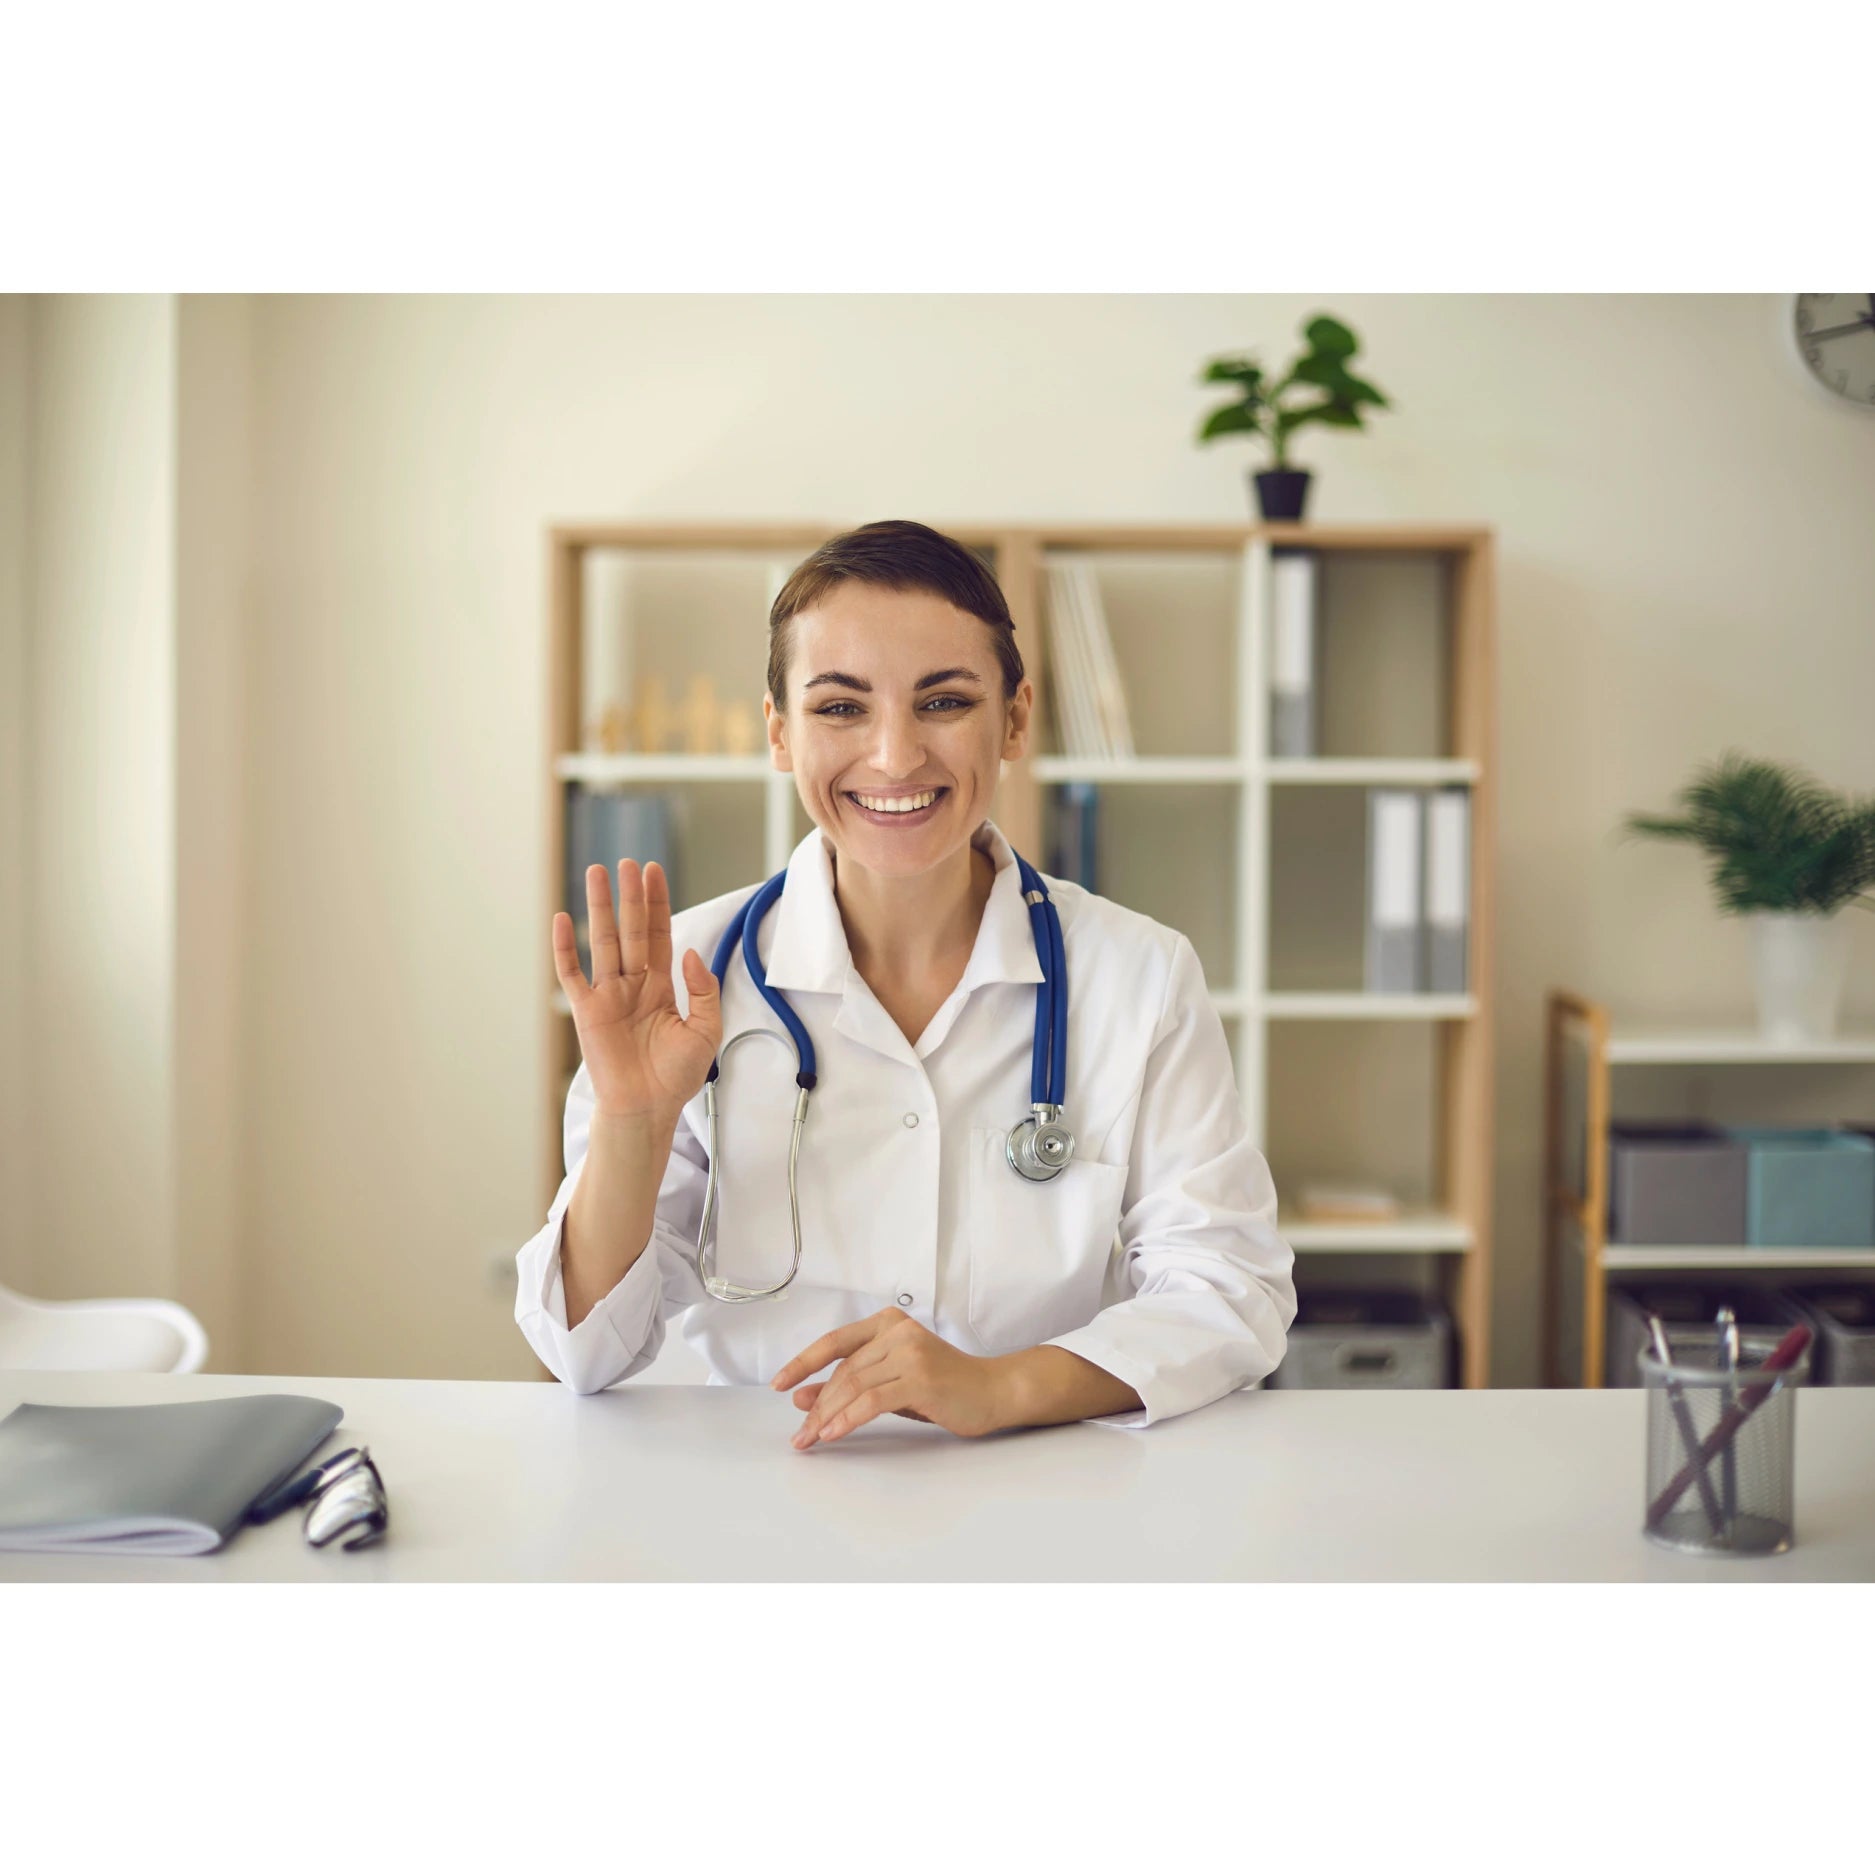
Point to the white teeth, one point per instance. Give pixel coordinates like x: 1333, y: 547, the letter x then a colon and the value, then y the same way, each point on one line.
x: 904, y: 804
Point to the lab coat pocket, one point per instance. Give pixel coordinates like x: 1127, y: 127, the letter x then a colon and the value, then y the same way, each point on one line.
x: 1038, y: 1251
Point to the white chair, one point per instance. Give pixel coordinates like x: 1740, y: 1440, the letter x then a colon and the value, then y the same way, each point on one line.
x: 99, y: 1337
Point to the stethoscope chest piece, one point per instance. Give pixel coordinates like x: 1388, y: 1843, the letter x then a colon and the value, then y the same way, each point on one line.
x: 1040, y: 1147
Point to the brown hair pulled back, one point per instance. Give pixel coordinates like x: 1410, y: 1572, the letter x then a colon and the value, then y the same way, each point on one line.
x: 903, y: 556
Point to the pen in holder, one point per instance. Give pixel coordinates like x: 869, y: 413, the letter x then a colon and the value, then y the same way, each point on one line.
x: 1721, y: 1436
x: 1728, y: 1354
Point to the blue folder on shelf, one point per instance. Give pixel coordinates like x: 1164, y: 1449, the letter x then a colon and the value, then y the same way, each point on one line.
x: 603, y: 827
x: 1073, y: 852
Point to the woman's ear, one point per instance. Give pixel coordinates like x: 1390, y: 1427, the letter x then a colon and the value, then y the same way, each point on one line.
x: 777, y: 726
x: 1017, y: 720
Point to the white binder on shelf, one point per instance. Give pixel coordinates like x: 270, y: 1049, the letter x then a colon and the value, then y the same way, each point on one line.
x: 1394, y: 923
x: 1293, y: 584
x: 1448, y: 889
x: 1073, y: 679
x: 1116, y: 728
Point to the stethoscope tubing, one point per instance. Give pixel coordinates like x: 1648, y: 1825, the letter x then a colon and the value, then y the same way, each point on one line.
x: 1048, y: 1060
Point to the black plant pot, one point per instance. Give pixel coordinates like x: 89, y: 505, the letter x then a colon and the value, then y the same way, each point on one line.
x: 1282, y: 494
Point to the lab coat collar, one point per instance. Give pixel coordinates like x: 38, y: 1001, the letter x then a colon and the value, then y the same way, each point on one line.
x: 808, y: 949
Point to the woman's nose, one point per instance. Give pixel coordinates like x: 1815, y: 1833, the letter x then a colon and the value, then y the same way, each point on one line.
x: 898, y: 750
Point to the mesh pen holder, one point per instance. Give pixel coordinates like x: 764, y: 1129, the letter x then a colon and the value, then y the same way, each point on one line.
x: 1737, y: 1500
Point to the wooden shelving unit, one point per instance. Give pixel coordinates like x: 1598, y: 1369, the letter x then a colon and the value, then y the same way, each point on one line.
x: 1449, y: 571
x: 1582, y: 1049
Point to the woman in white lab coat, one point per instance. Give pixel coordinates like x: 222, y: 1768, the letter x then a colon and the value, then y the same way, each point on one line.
x: 1144, y: 1279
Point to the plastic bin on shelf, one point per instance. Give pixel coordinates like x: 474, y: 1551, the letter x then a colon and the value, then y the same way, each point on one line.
x: 1684, y: 1305
x: 1842, y: 1317
x: 1675, y: 1182
x: 1808, y: 1187
x: 1367, y: 1338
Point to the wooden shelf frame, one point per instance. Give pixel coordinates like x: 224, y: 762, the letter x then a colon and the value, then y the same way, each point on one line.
x: 1458, y: 1225
x: 1572, y: 1021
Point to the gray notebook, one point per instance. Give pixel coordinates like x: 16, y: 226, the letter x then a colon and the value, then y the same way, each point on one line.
x: 171, y: 1480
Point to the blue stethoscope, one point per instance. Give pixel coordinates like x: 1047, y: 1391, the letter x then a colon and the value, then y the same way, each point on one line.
x: 1037, y: 1148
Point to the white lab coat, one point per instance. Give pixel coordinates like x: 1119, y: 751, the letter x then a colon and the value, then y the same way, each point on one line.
x: 1166, y: 1213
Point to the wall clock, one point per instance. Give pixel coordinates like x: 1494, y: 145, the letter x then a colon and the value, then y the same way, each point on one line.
x: 1834, y: 336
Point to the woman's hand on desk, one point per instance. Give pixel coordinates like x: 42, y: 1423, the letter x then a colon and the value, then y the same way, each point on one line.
x: 641, y: 1055
x: 890, y: 1363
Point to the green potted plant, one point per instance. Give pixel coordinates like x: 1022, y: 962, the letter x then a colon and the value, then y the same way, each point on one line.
x: 1317, y: 388
x: 1789, y: 854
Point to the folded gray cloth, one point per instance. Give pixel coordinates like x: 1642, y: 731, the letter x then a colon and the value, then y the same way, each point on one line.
x: 171, y: 1480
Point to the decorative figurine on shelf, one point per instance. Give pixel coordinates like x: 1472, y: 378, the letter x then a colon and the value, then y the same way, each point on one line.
x: 742, y: 734
x: 651, y: 719
x: 1283, y: 492
x: 700, y: 716
x: 1349, y: 1201
x: 613, y: 733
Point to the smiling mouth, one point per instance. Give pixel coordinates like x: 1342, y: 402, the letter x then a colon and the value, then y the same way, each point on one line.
x: 883, y: 809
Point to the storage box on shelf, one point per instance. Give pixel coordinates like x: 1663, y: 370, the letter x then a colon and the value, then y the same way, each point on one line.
x: 1381, y: 1338
x: 1808, y: 1187
x: 1675, y: 1184
x: 1843, y: 1317
x: 1809, y: 1211
x: 1404, y: 698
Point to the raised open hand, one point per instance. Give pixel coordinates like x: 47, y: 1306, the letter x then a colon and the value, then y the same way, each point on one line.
x: 641, y: 1055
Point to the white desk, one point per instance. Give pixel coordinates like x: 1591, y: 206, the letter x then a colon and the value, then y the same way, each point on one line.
x: 503, y: 1480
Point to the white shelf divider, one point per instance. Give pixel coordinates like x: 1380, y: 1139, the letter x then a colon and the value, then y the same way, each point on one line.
x: 1253, y: 837
x: 1359, y: 1006
x: 778, y: 806
x: 1170, y: 770
x: 1745, y: 1047
x: 599, y: 771
x: 1630, y: 1256
x: 1322, y: 771
x: 1414, y: 1231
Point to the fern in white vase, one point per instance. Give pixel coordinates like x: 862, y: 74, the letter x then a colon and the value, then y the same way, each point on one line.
x: 1790, y: 854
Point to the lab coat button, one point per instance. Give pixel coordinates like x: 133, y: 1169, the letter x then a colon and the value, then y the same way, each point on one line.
x: 904, y: 1301
x: 911, y: 1119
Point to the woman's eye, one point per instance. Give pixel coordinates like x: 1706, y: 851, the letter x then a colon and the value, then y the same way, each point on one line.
x: 842, y: 708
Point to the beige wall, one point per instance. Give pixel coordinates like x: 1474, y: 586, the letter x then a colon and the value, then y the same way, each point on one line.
x: 213, y: 621
x: 124, y: 462
x: 15, y: 728
x: 100, y: 751
x: 1683, y: 566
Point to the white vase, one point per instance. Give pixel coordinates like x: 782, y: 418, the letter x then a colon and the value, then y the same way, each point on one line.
x: 1801, y: 958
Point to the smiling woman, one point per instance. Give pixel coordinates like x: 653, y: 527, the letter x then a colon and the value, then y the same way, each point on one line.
x: 908, y: 703
x: 927, y: 970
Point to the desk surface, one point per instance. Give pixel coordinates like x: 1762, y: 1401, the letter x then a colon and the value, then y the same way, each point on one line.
x: 526, y: 1481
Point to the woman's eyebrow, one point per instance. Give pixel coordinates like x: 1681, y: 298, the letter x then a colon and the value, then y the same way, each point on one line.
x: 859, y: 683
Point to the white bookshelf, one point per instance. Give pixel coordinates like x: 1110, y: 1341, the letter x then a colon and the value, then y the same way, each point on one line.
x: 1233, y: 777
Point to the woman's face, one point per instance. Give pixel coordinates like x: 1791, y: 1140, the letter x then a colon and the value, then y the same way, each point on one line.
x: 895, y: 697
